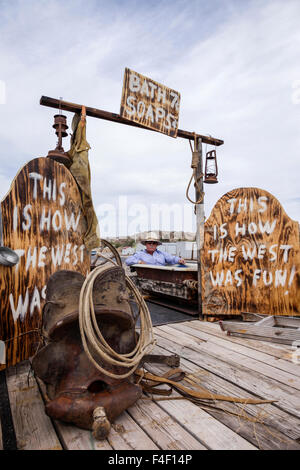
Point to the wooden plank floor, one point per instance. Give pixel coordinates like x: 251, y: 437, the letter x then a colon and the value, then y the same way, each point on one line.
x: 224, y: 365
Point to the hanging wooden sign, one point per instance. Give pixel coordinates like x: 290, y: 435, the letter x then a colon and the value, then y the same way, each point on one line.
x: 42, y: 221
x: 251, y: 256
x: 149, y: 103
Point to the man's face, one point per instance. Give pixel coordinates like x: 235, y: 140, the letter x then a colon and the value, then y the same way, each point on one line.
x: 151, y: 246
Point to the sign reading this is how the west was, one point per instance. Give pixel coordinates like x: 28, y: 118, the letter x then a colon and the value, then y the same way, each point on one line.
x: 149, y: 103
x: 43, y: 222
x: 251, y: 256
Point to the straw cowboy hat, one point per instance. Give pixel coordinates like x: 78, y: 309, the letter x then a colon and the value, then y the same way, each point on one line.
x: 151, y: 237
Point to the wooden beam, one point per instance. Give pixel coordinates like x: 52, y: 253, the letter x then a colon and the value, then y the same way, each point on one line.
x: 199, y: 221
x: 100, y: 114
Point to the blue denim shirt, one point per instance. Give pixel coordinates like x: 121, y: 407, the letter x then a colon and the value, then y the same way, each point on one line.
x: 159, y: 258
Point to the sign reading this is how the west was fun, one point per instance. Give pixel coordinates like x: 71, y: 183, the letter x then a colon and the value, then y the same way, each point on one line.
x: 43, y: 222
x: 251, y: 256
x: 149, y: 103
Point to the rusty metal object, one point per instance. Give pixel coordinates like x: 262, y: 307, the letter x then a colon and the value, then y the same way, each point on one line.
x: 75, y: 387
x: 168, y: 289
x: 109, y: 251
x: 178, y: 285
x: 58, y: 154
x: 8, y: 257
x: 191, y: 284
x: 211, y: 168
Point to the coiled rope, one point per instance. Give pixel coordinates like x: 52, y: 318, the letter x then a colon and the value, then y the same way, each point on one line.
x: 93, y: 340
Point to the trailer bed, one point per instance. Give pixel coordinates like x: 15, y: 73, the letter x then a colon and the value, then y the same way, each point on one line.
x: 222, y: 364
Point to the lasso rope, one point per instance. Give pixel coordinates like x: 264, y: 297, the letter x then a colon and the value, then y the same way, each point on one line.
x: 92, y: 338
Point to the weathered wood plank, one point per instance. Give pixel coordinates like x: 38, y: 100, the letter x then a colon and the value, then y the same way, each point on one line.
x: 288, y: 322
x: 257, y: 427
x: 277, y: 350
x: 208, y: 430
x: 74, y: 438
x: 253, y: 381
x: 256, y: 423
x: 162, y: 428
x: 126, y: 434
x: 283, y: 365
x: 252, y: 363
x: 272, y: 416
x: 266, y: 321
x: 149, y: 103
x: 265, y: 333
x: 33, y: 427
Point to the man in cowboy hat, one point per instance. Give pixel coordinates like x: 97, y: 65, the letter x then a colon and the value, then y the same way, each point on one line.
x: 151, y: 255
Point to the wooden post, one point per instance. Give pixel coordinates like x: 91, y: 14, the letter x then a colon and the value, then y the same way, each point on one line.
x: 199, y: 221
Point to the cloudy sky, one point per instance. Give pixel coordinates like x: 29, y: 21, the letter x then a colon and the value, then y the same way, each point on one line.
x: 235, y: 63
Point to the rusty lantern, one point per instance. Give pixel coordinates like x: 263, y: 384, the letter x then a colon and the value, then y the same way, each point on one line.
x: 58, y: 154
x: 211, y: 168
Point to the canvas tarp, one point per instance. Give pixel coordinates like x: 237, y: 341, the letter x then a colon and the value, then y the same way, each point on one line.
x: 80, y: 169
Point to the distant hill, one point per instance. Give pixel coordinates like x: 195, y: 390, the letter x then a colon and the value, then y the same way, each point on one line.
x: 164, y: 236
